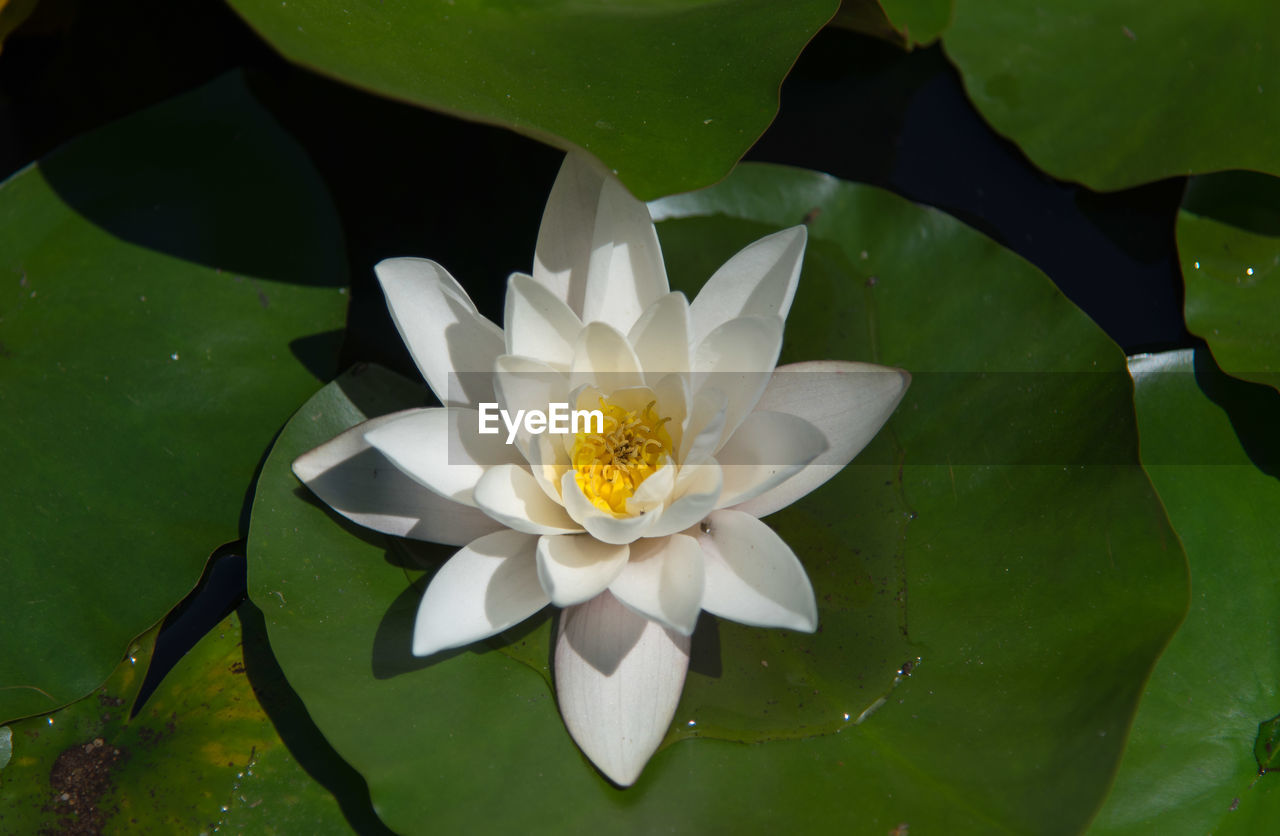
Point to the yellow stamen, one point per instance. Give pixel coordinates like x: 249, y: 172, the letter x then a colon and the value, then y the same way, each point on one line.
x: 609, y: 466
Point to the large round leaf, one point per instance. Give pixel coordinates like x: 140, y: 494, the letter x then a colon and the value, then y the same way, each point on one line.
x: 1113, y: 93
x: 1192, y: 762
x: 668, y: 93
x: 164, y: 278
x: 201, y: 755
x: 1229, y: 246
x: 993, y: 538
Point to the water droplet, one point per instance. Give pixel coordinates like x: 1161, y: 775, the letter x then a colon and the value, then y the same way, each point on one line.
x: 693, y: 722
x: 173, y: 356
x: 846, y: 715
x: 50, y: 719
x: 1248, y: 271
x: 1197, y: 265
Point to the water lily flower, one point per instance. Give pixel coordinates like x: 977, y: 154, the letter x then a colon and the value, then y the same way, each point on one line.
x: 633, y: 526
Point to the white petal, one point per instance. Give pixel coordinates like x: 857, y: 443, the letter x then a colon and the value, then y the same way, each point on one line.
x: 696, y: 494
x: 511, y: 495
x: 522, y: 383
x: 704, y: 427
x: 847, y: 402
x: 577, y: 567
x: 618, y: 681
x: 661, y: 338
x: 360, y: 483
x: 753, y: 577
x: 538, y: 323
x: 663, y: 580
x: 672, y: 393
x: 766, y: 450
x: 548, y: 461
x: 626, y: 273
x: 738, y: 359
x: 603, y: 358
x: 654, y: 491
x: 488, y: 586
x: 452, y: 344
x: 563, y: 254
x: 759, y: 281
x: 599, y: 524
x: 442, y: 449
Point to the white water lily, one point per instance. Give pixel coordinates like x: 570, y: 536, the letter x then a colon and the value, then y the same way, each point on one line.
x: 635, y: 530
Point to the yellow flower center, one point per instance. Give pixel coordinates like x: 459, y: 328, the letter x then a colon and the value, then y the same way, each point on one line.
x: 609, y: 466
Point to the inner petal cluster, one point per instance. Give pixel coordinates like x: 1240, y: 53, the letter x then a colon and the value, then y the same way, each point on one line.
x: 609, y: 466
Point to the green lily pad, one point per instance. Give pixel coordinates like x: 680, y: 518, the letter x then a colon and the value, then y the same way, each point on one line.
x: 160, y: 280
x: 921, y: 22
x: 201, y: 755
x: 975, y: 570
x: 1192, y: 764
x: 1229, y: 246
x: 668, y: 93
x: 1114, y: 93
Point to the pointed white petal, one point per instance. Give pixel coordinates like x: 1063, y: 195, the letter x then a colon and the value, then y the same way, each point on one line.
x: 442, y: 449
x: 697, y: 490
x: 599, y: 524
x: 766, y: 450
x: 847, y: 402
x: 661, y: 338
x: 626, y: 273
x: 603, y: 358
x: 672, y: 394
x: 488, y: 586
x: 511, y: 495
x: 618, y: 680
x: 663, y: 580
x: 360, y: 483
x: 577, y: 567
x: 759, y: 281
x: 522, y: 383
x: 753, y: 577
x: 563, y: 254
x: 655, y: 491
x: 538, y: 323
x: 548, y: 460
x: 738, y: 359
x: 444, y: 332
x: 704, y: 426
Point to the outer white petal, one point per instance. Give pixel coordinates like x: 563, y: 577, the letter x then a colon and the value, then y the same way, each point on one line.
x: 511, y: 495
x: 697, y: 489
x: 442, y: 449
x: 759, y: 281
x: 618, y: 680
x: 847, y: 402
x: 600, y: 525
x: 766, y: 450
x: 663, y: 580
x: 563, y: 254
x: 738, y: 359
x: 661, y: 338
x: 486, y: 587
x: 360, y: 483
x: 538, y: 323
x: 626, y: 273
x: 442, y: 329
x: 577, y: 567
x: 753, y: 577
x: 603, y: 358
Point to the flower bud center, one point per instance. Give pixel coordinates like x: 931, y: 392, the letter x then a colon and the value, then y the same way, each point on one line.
x: 609, y: 466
